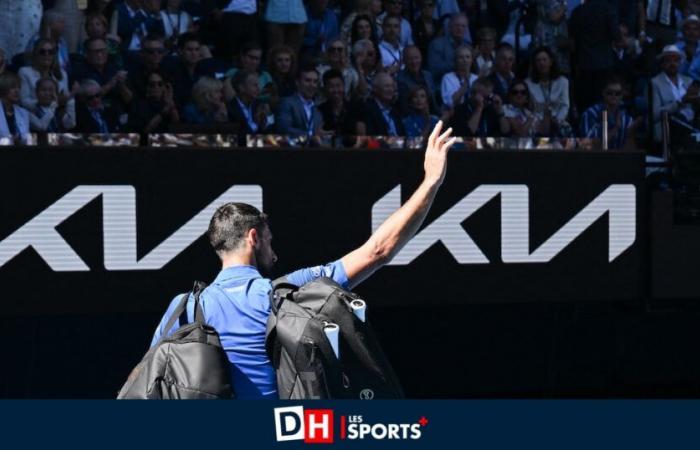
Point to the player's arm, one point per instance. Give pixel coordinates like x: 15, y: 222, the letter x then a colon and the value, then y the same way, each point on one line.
x: 401, y: 226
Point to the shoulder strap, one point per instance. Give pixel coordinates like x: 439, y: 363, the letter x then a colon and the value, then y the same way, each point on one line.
x: 180, y: 312
x: 282, y: 290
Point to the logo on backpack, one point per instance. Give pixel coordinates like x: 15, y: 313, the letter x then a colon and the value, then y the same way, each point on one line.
x: 366, y: 394
x: 316, y: 426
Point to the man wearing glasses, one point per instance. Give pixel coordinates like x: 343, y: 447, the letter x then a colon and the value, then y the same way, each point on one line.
x: 620, y: 124
x: 149, y: 61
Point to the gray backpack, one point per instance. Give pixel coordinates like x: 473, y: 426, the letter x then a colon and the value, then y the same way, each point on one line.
x: 299, y: 348
x: 189, y: 364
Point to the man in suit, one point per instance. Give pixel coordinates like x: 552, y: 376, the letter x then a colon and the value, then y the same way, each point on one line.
x: 672, y: 92
x: 244, y: 109
x: 298, y: 114
x: 502, y: 75
x: 92, y: 116
x: 379, y: 117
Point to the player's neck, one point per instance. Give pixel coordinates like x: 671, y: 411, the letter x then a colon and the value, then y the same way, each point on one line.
x: 238, y: 259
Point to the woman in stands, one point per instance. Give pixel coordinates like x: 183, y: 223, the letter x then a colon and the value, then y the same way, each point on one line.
x: 549, y: 91
x: 207, y: 104
x: 282, y: 63
x: 14, y: 120
x: 523, y: 122
x: 156, y: 112
x: 44, y: 63
x: 419, y: 121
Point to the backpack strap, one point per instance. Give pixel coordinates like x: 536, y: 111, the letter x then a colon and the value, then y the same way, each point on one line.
x: 282, y: 290
x: 180, y: 313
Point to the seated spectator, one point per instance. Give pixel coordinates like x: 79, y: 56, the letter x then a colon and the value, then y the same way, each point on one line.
x: 281, y: 61
x: 390, y: 47
x: 149, y: 60
x: 14, y: 120
x: 53, y: 112
x: 114, y: 90
x: 363, y: 28
x: 176, y: 21
x: 321, y: 28
x: 44, y: 63
x: 413, y: 75
x: 367, y: 63
x: 426, y: 26
x: 551, y: 31
x: 336, y: 58
x: 207, y: 105
x: 419, y: 121
x: 92, y: 115
x: 53, y: 24
x: 182, y: 72
x: 485, y: 51
x: 456, y: 85
x: 378, y: 116
x: 620, y: 125
x: 297, y: 114
x: 671, y: 91
x: 395, y: 8
x: 335, y: 111
x: 502, y: 75
x: 549, y: 90
x: 246, y: 109
x: 688, y: 44
x: 523, y: 122
x: 156, y: 111
x: 441, y: 52
x: 482, y: 115
x: 249, y: 60
x: 96, y: 27
x: 134, y: 19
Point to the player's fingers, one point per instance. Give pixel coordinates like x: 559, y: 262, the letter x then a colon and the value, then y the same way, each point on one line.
x: 435, y: 133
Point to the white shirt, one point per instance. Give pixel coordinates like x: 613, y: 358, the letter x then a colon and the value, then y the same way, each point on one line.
x: 451, y: 82
x: 390, y: 55
x: 242, y: 7
x: 175, y: 24
x: 29, y: 76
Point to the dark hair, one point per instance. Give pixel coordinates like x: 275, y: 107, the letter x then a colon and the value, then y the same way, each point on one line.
x: 231, y: 222
x: 90, y: 41
x: 331, y: 74
x: 517, y: 82
x: 8, y: 80
x: 306, y: 68
x: 613, y: 79
x: 241, y: 77
x: 250, y: 45
x: 553, y: 72
x: 184, y: 38
x: 504, y: 46
x: 392, y: 16
x: 353, y: 29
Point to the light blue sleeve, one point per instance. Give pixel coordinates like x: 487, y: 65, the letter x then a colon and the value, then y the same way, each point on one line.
x: 160, y: 331
x: 334, y: 270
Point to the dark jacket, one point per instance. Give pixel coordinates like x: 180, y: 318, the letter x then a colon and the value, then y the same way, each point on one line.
x: 594, y: 28
x: 375, y: 123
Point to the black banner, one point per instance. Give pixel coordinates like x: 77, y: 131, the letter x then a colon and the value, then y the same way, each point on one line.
x: 115, y: 230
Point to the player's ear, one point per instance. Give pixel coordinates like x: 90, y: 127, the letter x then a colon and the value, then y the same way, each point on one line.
x: 252, y: 237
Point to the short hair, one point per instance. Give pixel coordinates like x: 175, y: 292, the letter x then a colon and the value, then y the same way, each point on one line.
x: 230, y: 224
x: 89, y: 42
x: 8, y: 80
x: 185, y: 38
x: 43, y: 80
x: 392, y: 16
x: 306, y: 68
x: 554, y: 72
x: 332, y: 74
x: 504, y: 47
x: 95, y: 16
x: 250, y: 45
x: 613, y: 79
x: 485, y: 33
x: 241, y: 77
x: 152, y: 37
x: 202, y: 89
x: 86, y: 84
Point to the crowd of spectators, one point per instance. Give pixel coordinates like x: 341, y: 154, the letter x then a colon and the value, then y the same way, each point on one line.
x: 489, y: 68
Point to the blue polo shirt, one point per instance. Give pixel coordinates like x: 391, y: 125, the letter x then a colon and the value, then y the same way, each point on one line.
x: 237, y: 305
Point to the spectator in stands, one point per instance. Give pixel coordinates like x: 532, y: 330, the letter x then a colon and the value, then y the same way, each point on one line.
x: 96, y: 27
x: 366, y: 8
x: 502, y: 75
x: 281, y: 61
x: 367, y: 63
x: 54, y: 112
x: 419, y: 121
x: 672, y: 92
x: 620, y: 125
x: 455, y: 86
x: 335, y: 111
x: 485, y: 51
x: 53, y: 25
x: 17, y: 29
x: 73, y: 13
x: 321, y: 28
x: 390, y: 47
x: 44, y: 63
x: 207, y: 105
x: 523, y: 122
x: 551, y: 31
x: 92, y: 115
x: 336, y: 58
x: 482, y: 115
x: 176, y: 21
x: 236, y: 22
x: 114, y: 90
x: 363, y: 28
x: 183, y: 72
x: 156, y: 111
x: 625, y: 54
x: 395, y: 8
x: 549, y: 90
x: 149, y: 60
x: 593, y: 25
x: 688, y: 45
x: 154, y: 24
x: 297, y: 114
x: 441, y: 53
x: 14, y: 120
x: 129, y: 23
x: 413, y: 75
x: 246, y: 110
x: 286, y: 20
x: 426, y: 26
x: 249, y: 60
x: 378, y: 116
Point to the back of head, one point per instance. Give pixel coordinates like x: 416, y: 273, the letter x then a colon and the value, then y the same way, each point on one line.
x: 230, y: 224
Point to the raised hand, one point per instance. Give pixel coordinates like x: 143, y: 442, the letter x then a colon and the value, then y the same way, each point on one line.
x: 435, y: 162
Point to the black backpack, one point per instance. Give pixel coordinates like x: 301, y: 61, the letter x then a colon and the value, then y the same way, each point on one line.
x: 189, y: 364
x: 305, y: 362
